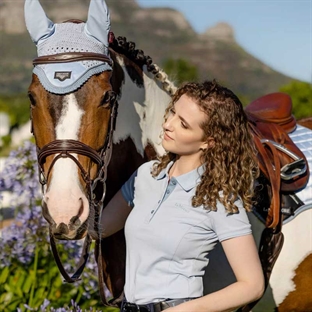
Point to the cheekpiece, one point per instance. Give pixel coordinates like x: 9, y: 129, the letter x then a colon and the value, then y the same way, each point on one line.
x: 62, y: 78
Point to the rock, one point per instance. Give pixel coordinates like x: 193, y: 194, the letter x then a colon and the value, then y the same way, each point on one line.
x: 221, y: 31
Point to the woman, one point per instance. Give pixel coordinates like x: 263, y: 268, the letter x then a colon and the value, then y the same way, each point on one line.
x: 176, y: 209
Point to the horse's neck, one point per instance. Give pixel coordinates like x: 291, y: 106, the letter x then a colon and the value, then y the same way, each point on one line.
x: 141, y: 111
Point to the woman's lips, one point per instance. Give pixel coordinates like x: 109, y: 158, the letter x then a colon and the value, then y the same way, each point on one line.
x: 167, y: 137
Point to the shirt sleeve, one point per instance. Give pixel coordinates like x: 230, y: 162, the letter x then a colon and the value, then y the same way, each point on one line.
x: 227, y: 225
x: 127, y: 189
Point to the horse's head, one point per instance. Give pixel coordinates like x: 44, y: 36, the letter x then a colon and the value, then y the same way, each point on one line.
x: 72, y: 105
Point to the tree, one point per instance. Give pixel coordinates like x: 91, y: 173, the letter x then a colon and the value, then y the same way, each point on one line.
x: 301, y: 95
x: 180, y: 70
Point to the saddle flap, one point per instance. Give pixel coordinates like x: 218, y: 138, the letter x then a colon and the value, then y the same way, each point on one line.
x: 294, y: 171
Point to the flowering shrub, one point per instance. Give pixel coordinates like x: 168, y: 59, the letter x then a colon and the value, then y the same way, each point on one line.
x: 29, y: 277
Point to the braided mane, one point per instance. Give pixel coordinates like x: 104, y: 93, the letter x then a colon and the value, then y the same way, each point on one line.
x: 127, y: 48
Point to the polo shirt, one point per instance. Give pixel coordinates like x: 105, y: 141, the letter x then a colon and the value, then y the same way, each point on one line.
x: 167, y: 239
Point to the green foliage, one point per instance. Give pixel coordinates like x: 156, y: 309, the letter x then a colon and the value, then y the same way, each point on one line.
x: 301, y: 95
x: 35, y: 283
x: 40, y: 280
x: 31, y: 283
x: 17, y: 107
x: 180, y: 70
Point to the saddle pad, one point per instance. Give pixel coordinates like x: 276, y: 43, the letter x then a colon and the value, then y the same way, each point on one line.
x: 302, y: 137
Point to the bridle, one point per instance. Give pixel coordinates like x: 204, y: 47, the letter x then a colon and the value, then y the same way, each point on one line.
x: 64, y: 149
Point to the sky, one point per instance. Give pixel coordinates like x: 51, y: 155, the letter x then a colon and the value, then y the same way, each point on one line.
x: 277, y: 32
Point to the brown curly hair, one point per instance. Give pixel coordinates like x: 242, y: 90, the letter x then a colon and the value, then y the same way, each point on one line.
x: 231, y: 164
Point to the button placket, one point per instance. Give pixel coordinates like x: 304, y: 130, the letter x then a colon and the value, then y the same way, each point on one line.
x: 168, y: 190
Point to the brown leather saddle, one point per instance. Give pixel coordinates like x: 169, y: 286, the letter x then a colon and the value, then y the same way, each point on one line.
x: 284, y: 170
x: 281, y: 162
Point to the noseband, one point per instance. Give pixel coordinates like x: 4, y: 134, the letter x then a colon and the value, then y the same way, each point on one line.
x: 64, y: 149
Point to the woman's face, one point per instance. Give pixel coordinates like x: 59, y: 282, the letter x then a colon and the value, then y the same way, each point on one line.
x: 182, y: 132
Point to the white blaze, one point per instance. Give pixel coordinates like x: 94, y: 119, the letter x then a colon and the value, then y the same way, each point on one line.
x: 64, y: 196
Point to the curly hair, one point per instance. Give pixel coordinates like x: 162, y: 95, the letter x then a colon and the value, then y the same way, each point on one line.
x: 230, y: 165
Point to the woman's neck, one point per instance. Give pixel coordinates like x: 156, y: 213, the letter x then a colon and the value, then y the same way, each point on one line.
x: 184, y: 164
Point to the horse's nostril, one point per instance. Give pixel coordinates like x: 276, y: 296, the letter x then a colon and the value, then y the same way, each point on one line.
x: 62, y: 229
x: 74, y: 222
x: 81, y: 207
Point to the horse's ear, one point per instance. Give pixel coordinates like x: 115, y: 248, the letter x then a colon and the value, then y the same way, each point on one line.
x: 98, y: 23
x: 37, y: 23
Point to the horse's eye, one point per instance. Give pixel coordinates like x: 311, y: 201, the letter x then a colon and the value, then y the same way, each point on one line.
x: 32, y: 99
x: 108, y: 99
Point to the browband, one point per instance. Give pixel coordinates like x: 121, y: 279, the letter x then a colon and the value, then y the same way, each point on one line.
x: 72, y: 57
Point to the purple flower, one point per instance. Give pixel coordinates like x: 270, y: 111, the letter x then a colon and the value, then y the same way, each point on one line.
x: 29, y: 230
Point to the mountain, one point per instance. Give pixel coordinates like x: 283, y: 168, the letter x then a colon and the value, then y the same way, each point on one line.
x: 161, y: 33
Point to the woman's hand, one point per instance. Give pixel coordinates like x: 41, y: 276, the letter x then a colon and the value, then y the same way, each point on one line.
x: 243, y: 257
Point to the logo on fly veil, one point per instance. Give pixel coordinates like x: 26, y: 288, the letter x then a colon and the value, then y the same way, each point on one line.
x: 62, y: 75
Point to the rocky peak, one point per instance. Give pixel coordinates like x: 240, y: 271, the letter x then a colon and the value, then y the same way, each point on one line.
x: 221, y: 31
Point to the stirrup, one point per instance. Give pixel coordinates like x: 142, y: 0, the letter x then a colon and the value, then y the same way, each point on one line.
x: 293, y: 169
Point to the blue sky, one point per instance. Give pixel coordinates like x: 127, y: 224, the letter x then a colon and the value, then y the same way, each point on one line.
x: 277, y: 32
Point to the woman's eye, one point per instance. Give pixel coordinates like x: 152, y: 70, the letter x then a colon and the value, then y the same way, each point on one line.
x: 183, y: 125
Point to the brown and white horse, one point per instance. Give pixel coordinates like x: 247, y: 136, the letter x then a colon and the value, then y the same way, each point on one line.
x: 72, y: 131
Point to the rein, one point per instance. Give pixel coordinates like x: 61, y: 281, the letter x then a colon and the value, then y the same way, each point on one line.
x: 64, y: 149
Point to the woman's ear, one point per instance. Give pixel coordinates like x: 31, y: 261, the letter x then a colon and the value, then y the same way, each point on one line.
x: 209, y: 143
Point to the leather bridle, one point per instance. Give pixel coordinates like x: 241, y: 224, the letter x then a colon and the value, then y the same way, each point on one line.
x: 64, y: 149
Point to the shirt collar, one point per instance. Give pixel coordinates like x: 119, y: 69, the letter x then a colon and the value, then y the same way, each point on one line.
x: 188, y: 180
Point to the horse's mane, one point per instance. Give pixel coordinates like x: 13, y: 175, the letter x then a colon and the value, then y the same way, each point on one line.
x: 127, y: 48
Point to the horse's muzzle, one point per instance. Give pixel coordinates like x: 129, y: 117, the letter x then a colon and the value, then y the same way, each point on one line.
x: 69, y: 232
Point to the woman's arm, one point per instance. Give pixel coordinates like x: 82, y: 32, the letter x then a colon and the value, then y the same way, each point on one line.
x: 113, y: 217
x: 243, y: 257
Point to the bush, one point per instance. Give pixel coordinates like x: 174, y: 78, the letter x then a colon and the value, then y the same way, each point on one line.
x: 29, y: 277
x: 301, y: 95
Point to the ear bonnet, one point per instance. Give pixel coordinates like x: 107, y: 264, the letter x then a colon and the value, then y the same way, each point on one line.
x: 51, y: 39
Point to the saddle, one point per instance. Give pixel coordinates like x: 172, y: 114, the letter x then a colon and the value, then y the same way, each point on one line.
x: 280, y: 160
x: 284, y: 169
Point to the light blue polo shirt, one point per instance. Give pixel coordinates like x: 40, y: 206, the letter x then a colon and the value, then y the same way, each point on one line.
x: 168, y: 240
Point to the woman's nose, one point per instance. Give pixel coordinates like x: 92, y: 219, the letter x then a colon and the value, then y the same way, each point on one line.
x: 168, y: 125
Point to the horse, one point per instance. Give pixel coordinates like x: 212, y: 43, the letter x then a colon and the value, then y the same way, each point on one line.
x: 83, y: 162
